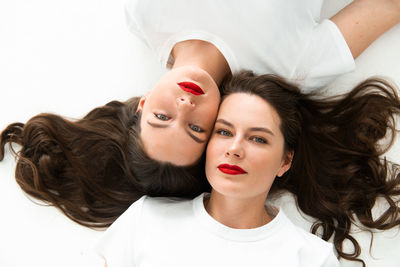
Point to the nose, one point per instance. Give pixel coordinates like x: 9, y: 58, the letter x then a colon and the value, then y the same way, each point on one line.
x: 185, y: 102
x: 235, y: 149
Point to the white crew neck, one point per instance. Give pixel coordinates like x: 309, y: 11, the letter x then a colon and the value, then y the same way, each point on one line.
x: 240, y: 235
x: 165, y: 51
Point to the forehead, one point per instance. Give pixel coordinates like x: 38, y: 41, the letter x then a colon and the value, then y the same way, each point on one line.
x: 170, y: 144
x: 246, y: 109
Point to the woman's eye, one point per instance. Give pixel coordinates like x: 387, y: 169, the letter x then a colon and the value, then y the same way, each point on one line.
x: 259, y: 140
x: 196, y: 128
x: 223, y: 132
x: 161, y: 117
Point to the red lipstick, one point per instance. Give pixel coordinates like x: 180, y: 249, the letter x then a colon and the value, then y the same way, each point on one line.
x: 231, y: 169
x: 191, y: 88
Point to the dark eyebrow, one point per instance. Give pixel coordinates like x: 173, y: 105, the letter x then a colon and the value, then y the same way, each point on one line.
x: 156, y: 125
x: 195, y: 138
x: 225, y: 122
x: 259, y: 129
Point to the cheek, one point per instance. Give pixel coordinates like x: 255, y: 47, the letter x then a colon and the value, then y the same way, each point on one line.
x: 213, y: 153
x: 209, y: 164
x: 212, y: 161
x: 163, y: 91
x: 268, y: 164
x: 207, y: 121
x: 165, y: 99
x: 264, y: 168
x: 209, y: 105
x: 208, y: 112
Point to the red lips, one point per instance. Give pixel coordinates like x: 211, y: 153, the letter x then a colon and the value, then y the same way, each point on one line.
x: 191, y: 88
x: 231, y: 169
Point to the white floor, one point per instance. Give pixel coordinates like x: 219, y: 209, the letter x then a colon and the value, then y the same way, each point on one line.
x: 68, y: 57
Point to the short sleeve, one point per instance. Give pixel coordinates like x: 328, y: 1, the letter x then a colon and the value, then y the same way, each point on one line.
x: 117, y: 244
x: 326, y: 56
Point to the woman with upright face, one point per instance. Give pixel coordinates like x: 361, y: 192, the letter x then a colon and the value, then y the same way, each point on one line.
x: 245, y: 154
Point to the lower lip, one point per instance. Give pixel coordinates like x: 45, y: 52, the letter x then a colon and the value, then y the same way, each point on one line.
x: 230, y: 171
x: 189, y: 90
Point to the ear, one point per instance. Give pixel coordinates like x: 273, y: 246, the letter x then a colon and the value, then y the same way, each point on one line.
x: 287, y: 162
x: 141, y: 103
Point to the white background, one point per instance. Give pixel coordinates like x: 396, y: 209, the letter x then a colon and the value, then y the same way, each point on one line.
x: 68, y: 57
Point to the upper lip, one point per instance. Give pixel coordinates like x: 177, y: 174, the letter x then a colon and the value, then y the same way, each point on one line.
x: 191, y: 88
x: 232, y: 167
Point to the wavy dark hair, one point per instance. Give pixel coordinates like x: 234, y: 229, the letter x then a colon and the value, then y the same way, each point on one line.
x: 93, y: 169
x: 337, y: 173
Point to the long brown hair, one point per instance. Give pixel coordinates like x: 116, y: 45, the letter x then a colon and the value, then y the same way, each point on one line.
x: 337, y: 173
x: 93, y: 169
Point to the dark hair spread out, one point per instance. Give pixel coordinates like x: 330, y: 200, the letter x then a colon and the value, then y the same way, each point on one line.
x: 337, y: 173
x: 94, y: 168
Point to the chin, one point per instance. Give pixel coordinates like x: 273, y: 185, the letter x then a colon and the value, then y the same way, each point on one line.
x: 227, y: 188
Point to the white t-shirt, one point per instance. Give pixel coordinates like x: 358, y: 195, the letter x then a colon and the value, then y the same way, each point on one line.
x: 283, y: 37
x: 179, y: 233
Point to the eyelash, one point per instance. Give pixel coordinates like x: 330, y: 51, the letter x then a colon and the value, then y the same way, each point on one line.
x: 221, y: 131
x: 260, y: 139
x: 158, y: 116
x: 199, y: 130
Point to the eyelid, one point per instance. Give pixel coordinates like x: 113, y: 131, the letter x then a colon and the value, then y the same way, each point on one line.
x: 157, y: 114
x: 260, y: 137
x: 218, y: 131
x: 200, y: 131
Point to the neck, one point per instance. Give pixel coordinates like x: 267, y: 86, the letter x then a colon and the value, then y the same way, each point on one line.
x: 239, y: 213
x: 201, y: 54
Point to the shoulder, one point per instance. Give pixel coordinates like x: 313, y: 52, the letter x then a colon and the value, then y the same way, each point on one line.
x: 309, y: 247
